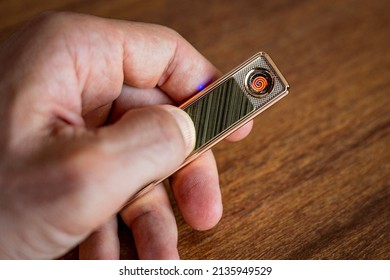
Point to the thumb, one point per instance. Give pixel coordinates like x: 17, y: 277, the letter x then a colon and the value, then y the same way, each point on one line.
x: 145, y: 145
x: 149, y: 143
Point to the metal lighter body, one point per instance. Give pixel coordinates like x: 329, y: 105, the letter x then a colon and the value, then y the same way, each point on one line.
x: 230, y: 102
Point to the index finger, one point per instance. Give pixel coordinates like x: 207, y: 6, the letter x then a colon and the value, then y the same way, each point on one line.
x: 148, y: 56
x: 78, y: 63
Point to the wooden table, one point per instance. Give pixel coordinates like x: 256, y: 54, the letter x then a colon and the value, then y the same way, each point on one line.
x: 312, y: 180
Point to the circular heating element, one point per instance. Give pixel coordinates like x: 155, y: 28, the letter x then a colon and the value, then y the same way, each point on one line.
x: 259, y: 82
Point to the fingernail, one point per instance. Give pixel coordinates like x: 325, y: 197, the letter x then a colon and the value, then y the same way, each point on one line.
x: 186, y: 126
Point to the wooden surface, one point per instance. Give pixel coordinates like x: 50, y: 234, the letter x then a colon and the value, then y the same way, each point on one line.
x: 312, y: 180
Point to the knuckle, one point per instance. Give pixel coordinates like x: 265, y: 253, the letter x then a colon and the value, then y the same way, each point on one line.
x: 43, y: 17
x: 49, y: 20
x: 54, y: 26
x: 169, y: 31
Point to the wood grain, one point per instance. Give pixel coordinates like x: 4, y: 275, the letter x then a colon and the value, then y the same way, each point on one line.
x: 312, y: 180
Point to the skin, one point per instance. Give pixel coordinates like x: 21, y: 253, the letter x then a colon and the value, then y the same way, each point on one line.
x: 82, y: 131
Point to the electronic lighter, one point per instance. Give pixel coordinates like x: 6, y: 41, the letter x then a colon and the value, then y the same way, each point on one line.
x: 229, y: 103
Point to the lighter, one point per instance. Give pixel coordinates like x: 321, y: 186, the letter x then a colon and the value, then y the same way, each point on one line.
x: 230, y: 102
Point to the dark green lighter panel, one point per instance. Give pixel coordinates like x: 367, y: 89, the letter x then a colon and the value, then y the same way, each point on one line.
x: 218, y: 110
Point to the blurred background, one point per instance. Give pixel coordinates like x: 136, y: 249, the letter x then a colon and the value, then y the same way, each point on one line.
x: 312, y: 180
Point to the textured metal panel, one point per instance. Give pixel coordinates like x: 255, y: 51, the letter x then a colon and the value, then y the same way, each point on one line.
x: 261, y: 61
x: 218, y: 110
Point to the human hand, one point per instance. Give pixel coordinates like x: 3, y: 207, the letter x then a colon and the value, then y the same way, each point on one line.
x: 75, y: 146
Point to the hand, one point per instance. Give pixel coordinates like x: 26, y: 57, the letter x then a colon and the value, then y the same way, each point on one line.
x: 75, y: 146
